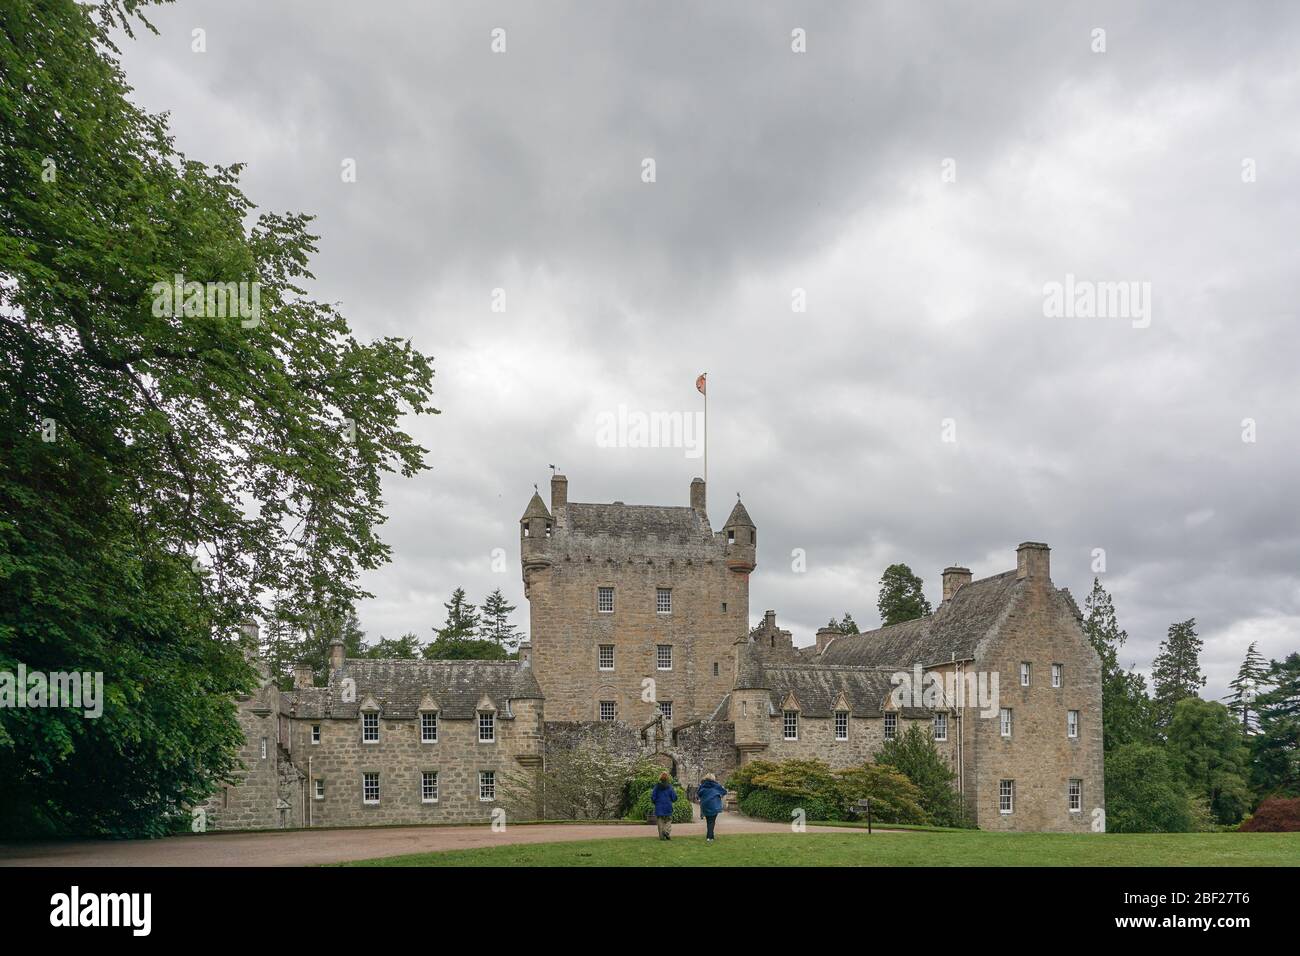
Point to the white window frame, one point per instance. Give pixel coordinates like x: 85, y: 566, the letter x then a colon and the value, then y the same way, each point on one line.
x: 1026, y: 672
x: 367, y: 718
x: 365, y: 788
x: 601, y: 593
x: 487, y: 784
x: 607, y: 707
x: 941, y: 726
x: 1074, y: 795
x: 264, y: 750
x: 320, y: 789
x: 600, y: 657
x: 666, y: 709
x: 428, y: 721
x: 660, y: 650
x: 1005, y: 722
x: 425, y: 788
x: 841, y: 725
x: 1058, y: 675
x: 789, y: 725
x: 1072, y: 724
x: 315, y: 734
x: 1006, y: 797
x: 891, y: 725
x: 487, y: 720
x: 663, y: 600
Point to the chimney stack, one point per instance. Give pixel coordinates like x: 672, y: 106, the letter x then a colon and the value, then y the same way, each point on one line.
x: 302, y: 676
x: 769, y: 620
x: 697, y: 494
x: 824, y: 636
x: 1032, y: 560
x: 336, y: 655
x: 525, y: 654
x: 953, y: 578
x: 559, y: 494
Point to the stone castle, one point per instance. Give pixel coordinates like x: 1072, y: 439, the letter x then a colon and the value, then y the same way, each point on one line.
x: 640, y: 640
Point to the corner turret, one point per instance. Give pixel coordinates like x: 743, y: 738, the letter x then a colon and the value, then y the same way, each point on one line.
x: 742, y: 540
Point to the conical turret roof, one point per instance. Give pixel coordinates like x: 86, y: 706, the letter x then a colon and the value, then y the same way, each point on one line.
x: 739, y: 517
x: 536, y: 508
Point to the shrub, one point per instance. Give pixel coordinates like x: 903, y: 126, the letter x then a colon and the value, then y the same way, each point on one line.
x: 1145, y: 793
x: 914, y: 755
x: 780, y: 807
x: 741, y: 781
x: 582, y: 783
x: 894, y: 798
x: 773, y: 791
x: 641, y: 804
x: 1274, y: 815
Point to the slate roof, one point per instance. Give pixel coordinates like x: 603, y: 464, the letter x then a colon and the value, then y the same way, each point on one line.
x: 398, y: 687
x: 954, y: 632
x: 536, y: 508
x: 739, y: 517
x: 817, y: 688
x: 634, y: 520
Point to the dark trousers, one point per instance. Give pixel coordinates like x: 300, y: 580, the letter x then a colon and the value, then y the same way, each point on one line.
x: 709, y: 821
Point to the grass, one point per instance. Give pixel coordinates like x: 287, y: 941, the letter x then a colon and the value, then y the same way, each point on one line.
x: 961, y: 848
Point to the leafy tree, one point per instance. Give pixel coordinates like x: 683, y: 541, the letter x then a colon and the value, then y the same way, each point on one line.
x: 1276, y: 748
x: 901, y: 596
x: 914, y: 755
x: 1145, y: 793
x: 578, y: 783
x: 1204, y: 741
x: 1125, y: 707
x: 456, y: 640
x: 161, y: 473
x: 1176, y: 671
x: 845, y: 626
x: 404, y: 648
x: 1251, y: 680
x: 494, y: 624
x: 894, y: 798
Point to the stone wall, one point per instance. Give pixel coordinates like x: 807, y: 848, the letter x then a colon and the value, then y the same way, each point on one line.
x: 706, y: 746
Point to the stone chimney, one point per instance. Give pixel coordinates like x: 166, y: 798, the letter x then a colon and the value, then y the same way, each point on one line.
x: 697, y: 494
x: 824, y: 636
x: 302, y: 676
x: 525, y: 654
x: 953, y: 578
x: 559, y: 493
x: 1032, y: 561
x: 769, y: 620
x: 336, y: 655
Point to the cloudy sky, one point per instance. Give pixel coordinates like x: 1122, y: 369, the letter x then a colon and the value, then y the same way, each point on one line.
x: 922, y: 172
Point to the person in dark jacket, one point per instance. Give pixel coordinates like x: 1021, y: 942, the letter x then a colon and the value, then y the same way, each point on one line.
x: 711, y: 794
x: 663, y: 796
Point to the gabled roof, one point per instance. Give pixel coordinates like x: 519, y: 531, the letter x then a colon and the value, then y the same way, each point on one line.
x: 400, y: 687
x: 739, y: 517
x: 634, y: 520
x: 536, y: 508
x: 818, y: 688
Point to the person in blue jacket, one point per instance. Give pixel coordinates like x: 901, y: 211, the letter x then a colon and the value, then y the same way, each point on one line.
x: 711, y: 794
x: 663, y: 796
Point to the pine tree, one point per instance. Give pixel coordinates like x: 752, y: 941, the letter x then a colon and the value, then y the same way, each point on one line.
x: 1250, y: 681
x: 404, y: 648
x: 1176, y: 671
x: 1276, y: 748
x: 494, y: 625
x: 846, y: 626
x: 1125, y: 708
x: 462, y: 619
x: 901, y: 596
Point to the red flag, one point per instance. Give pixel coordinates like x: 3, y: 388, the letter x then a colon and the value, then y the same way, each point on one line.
x: 700, y: 383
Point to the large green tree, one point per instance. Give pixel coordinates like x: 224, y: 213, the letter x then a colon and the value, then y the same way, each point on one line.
x: 1276, y: 748
x: 458, y: 638
x: 1145, y: 792
x: 915, y: 756
x: 1204, y: 741
x: 901, y: 596
x: 1176, y: 670
x: 1125, y: 707
x: 494, y: 621
x: 1250, y: 682
x: 165, y: 465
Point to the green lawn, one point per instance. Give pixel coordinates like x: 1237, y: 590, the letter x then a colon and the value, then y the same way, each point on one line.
x: 966, y: 848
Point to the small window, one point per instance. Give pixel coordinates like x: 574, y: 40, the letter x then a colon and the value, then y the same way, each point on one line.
x: 263, y: 748
x: 605, y: 600
x: 940, y: 726
x: 841, y: 725
x: 891, y: 725
x: 664, y: 657
x: 716, y: 669
x: 370, y: 788
x: 1004, y: 716
x: 525, y: 527
x: 429, y: 786
x: 548, y: 529
x: 731, y: 536
x: 1024, y: 673
x: 666, y: 709
x: 1075, y: 796
x: 606, y: 657
x: 1056, y: 674
x: 724, y: 607
x: 1071, y: 723
x: 1006, y: 796
x: 487, y: 727
x: 429, y: 727
x: 487, y: 785
x: 608, y: 711
x: 315, y: 733
x: 370, y: 728
x: 320, y: 789
x: 790, y: 724
x: 663, y: 600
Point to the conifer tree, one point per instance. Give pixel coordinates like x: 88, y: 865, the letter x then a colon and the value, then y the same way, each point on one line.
x: 1250, y: 681
x: 1176, y: 671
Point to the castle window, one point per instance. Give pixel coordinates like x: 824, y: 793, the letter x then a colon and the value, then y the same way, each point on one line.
x: 370, y: 728
x: 663, y: 600
x: 1071, y: 723
x: 664, y: 657
x: 370, y: 788
x: 891, y: 725
x: 666, y: 709
x: 1056, y: 675
x: 429, y: 727
x: 716, y: 669
x: 320, y: 789
x: 841, y: 725
x: 940, y: 726
x: 548, y: 529
x: 1004, y: 717
x: 724, y: 607
x: 525, y: 527
x: 605, y: 600
x: 487, y: 785
x: 605, y: 657
x: 487, y: 727
x: 607, y: 710
x: 1006, y: 796
x: 263, y: 748
x: 1024, y: 673
x: 315, y: 733
x: 790, y: 724
x: 429, y: 786
x: 1074, y: 796
x: 731, y: 536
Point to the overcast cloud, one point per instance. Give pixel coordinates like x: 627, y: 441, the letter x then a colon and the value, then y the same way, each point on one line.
x: 819, y: 171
